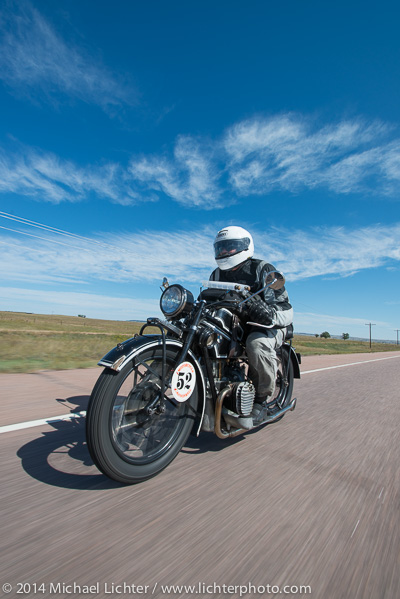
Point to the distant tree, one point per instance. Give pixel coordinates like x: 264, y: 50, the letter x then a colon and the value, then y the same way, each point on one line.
x: 345, y: 336
x: 82, y: 315
x: 325, y: 335
x: 316, y: 335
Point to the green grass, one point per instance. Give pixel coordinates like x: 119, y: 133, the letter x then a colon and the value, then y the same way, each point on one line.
x: 311, y: 346
x: 31, y: 342
x: 20, y: 321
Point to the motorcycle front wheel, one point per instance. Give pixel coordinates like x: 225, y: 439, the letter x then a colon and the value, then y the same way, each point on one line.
x: 125, y: 442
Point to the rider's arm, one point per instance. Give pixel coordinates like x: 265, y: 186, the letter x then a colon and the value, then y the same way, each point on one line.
x: 278, y: 300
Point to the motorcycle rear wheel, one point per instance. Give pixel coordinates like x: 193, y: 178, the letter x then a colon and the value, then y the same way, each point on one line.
x: 126, y: 444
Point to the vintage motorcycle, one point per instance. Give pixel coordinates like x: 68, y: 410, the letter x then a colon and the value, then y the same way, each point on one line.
x: 189, y: 376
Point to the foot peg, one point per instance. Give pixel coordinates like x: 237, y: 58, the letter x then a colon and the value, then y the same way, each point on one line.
x: 264, y: 417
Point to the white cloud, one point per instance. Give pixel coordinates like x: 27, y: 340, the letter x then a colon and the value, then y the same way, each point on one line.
x: 330, y: 251
x: 124, y: 258
x: 34, y: 59
x: 253, y: 157
x: 187, y: 255
x: 283, y: 152
x: 47, y: 177
x: 190, y: 178
x: 66, y: 275
x: 289, y: 152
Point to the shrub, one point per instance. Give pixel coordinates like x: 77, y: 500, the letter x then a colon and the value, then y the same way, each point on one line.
x: 325, y: 335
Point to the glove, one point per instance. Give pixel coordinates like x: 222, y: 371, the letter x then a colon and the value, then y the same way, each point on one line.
x: 256, y: 310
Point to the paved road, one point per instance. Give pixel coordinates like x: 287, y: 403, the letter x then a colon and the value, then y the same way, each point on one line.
x: 312, y: 500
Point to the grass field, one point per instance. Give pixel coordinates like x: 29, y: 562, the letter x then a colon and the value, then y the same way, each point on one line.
x: 31, y: 342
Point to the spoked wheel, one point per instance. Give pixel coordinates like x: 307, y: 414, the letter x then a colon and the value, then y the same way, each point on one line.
x: 284, y: 383
x: 127, y: 441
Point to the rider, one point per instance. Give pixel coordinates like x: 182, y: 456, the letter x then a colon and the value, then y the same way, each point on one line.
x: 270, y: 312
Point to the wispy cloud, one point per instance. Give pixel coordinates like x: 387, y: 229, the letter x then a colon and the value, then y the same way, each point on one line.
x: 254, y: 157
x: 284, y: 152
x: 37, y: 61
x: 335, y: 251
x: 290, y: 152
x: 123, y: 258
x: 190, y: 178
x: 47, y: 177
x: 128, y: 257
x: 66, y: 277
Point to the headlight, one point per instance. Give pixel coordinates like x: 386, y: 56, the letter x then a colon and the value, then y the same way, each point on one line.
x: 176, y: 300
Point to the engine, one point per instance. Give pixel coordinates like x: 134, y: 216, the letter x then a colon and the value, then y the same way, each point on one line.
x: 241, y: 399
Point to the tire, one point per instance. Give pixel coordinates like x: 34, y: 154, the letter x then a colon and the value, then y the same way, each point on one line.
x: 284, y: 384
x: 124, y: 442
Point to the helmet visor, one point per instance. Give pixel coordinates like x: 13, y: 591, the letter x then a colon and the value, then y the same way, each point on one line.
x: 230, y: 247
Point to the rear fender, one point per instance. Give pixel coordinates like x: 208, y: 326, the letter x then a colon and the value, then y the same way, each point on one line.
x: 124, y: 352
x: 295, y: 359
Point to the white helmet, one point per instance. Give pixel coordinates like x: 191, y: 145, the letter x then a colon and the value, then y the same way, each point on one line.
x: 232, y: 246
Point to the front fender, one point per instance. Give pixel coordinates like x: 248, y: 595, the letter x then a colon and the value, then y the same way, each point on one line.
x: 124, y: 352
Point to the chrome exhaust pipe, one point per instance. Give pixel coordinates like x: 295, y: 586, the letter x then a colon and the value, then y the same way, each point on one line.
x: 223, y: 434
x: 277, y: 415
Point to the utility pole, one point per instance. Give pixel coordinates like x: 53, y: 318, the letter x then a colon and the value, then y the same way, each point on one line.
x: 370, y: 325
x: 397, y: 331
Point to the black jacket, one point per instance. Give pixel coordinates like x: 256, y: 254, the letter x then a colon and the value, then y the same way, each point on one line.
x: 252, y: 272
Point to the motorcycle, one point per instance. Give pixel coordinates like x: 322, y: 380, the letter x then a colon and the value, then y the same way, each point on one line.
x: 190, y: 376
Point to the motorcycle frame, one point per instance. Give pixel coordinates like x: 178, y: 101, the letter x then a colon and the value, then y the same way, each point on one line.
x: 124, y: 352
x: 120, y: 355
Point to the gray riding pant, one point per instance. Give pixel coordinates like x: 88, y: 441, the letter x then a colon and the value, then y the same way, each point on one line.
x: 263, y: 364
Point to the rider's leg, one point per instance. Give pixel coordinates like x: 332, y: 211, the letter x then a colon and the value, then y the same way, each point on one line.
x: 261, y: 350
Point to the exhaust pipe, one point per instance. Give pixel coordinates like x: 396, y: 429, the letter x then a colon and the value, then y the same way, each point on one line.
x: 223, y: 434
x: 271, y: 417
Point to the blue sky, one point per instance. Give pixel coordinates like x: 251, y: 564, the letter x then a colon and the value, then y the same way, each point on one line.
x: 132, y: 131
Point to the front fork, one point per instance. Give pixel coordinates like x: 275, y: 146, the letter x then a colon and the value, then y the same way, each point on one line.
x: 158, y: 401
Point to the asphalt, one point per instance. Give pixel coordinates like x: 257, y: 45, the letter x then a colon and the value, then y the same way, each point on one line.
x: 310, y: 501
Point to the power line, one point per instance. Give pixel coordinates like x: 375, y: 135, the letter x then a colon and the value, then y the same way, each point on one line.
x: 32, y: 223
x: 54, y: 230
x: 44, y: 238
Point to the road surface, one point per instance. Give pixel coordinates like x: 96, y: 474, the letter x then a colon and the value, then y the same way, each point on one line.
x: 306, y: 506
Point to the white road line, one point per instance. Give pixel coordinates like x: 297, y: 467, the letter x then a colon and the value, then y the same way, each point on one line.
x: 351, y: 364
x: 31, y: 423
x: 355, y: 528
x: 72, y: 416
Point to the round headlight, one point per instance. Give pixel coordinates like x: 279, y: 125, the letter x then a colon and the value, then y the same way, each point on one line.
x: 176, y: 300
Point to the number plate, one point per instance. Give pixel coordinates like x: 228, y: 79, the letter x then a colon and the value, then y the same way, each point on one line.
x: 183, y: 381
